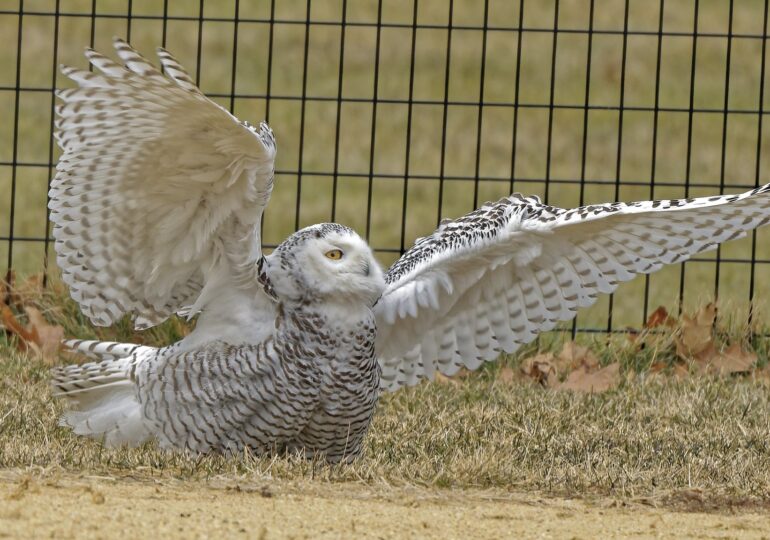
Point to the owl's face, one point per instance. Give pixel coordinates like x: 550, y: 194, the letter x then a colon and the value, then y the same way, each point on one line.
x: 326, y: 262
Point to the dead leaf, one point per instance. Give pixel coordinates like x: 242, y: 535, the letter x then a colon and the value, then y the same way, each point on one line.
x: 505, y: 375
x: 680, y: 371
x: 38, y: 335
x: 657, y: 367
x: 440, y: 378
x: 734, y: 359
x: 11, y: 296
x: 660, y: 317
x: 581, y: 380
x: 696, y: 335
x: 763, y: 375
x: 462, y: 373
x: 16, y: 294
x: 31, y: 287
x: 573, y: 356
x: 541, y: 368
x: 48, y: 337
x: 13, y: 326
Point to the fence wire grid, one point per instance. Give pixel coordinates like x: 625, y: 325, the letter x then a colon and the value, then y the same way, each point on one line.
x: 391, y: 115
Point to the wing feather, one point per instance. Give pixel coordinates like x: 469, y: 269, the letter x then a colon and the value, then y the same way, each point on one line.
x: 495, y: 278
x: 159, y: 191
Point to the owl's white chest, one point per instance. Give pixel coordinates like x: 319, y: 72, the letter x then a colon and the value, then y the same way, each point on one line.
x: 331, y: 359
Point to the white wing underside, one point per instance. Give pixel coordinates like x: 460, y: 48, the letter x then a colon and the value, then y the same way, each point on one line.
x: 159, y: 193
x: 491, y: 281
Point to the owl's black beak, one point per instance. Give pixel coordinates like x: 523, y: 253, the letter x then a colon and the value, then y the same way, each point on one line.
x: 366, y: 270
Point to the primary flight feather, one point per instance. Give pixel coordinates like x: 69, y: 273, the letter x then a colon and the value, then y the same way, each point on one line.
x: 157, y: 204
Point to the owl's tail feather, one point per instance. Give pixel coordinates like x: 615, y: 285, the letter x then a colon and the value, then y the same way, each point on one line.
x: 101, y: 350
x: 101, y: 397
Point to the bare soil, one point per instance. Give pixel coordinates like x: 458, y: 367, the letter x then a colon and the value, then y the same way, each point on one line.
x: 65, y: 506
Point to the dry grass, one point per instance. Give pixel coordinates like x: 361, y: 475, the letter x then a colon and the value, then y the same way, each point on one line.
x: 653, y: 437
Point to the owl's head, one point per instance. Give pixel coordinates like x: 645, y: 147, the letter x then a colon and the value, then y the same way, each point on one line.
x: 326, y: 262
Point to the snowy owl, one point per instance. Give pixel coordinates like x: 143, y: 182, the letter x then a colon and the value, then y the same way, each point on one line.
x: 157, y: 204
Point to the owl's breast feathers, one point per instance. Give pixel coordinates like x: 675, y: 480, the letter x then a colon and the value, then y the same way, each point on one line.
x: 330, y: 355
x: 311, y: 387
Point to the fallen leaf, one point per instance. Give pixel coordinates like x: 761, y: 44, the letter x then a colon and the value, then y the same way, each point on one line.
x: 696, y: 335
x: 660, y: 317
x: 505, y: 375
x: 573, y: 356
x: 462, y: 373
x: 31, y: 287
x: 680, y: 371
x: 541, y: 368
x: 47, y: 337
x: 13, y: 326
x: 10, y: 296
x: 581, y: 380
x: 734, y: 359
x: 440, y: 378
x: 657, y: 366
x: 763, y: 375
x: 38, y: 335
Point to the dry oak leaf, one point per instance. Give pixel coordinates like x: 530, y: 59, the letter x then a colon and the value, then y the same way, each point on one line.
x: 660, y: 317
x: 13, y: 326
x: 39, y: 336
x: 680, y: 371
x: 657, y: 367
x: 505, y: 375
x: 763, y: 375
x: 542, y: 369
x: 30, y: 287
x: 581, y: 380
x: 696, y: 336
x: 573, y: 356
x: 657, y: 339
x: 14, y: 292
x: 48, y: 336
x: 440, y: 378
x: 734, y: 359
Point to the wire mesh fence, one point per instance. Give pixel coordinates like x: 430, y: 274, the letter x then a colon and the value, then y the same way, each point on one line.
x: 391, y: 115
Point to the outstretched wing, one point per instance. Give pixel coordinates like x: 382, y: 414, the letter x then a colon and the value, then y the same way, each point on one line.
x: 492, y: 280
x: 159, y: 192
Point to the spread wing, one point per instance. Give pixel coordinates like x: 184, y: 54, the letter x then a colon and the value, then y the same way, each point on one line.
x: 159, y: 192
x: 492, y: 280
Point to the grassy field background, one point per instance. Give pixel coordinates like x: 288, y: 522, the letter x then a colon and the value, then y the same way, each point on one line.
x: 406, y: 195
x: 689, y: 442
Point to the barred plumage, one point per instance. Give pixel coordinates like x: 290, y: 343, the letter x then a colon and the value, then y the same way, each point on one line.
x: 156, y: 207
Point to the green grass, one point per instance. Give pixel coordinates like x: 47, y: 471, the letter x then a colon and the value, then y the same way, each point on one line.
x: 651, y: 438
x: 425, y: 140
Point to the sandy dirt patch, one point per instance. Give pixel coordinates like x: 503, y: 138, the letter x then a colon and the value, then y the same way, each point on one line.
x: 93, y: 507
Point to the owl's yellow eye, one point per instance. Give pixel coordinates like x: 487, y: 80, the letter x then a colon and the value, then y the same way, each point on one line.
x: 334, y: 254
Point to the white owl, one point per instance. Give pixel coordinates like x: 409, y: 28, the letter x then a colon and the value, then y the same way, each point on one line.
x: 157, y: 204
